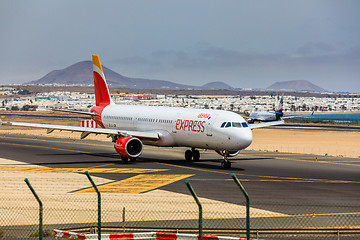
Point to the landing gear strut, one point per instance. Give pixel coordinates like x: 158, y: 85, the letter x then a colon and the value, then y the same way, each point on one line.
x: 192, y: 155
x: 126, y: 159
x: 226, y: 164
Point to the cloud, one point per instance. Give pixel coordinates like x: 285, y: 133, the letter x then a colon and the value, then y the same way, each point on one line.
x: 136, y: 60
x: 311, y: 48
x: 253, y: 69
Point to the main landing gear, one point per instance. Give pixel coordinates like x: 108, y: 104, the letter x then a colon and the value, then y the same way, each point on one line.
x: 192, y: 155
x: 126, y: 159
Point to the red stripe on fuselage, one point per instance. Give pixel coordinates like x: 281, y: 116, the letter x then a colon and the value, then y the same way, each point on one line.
x: 98, y: 111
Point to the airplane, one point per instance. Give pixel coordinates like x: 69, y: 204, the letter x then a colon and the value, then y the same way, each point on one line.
x: 274, y: 116
x: 132, y: 126
x: 267, y: 116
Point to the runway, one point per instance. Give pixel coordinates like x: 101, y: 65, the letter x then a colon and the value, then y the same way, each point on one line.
x: 272, y: 179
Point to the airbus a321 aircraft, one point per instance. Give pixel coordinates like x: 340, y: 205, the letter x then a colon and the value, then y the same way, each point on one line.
x: 132, y: 126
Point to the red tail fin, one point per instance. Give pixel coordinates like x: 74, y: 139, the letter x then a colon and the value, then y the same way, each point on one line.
x: 102, y: 94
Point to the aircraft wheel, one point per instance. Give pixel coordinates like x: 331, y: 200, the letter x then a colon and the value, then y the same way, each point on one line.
x: 226, y: 164
x: 124, y: 159
x: 196, y: 155
x: 133, y: 159
x: 188, y: 155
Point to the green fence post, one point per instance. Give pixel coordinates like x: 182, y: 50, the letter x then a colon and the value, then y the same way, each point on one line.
x: 200, y: 209
x: 40, y: 209
x: 247, y: 205
x: 99, y: 204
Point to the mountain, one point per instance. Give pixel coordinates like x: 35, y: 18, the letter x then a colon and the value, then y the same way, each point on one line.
x: 81, y: 73
x: 217, y: 85
x: 296, y: 85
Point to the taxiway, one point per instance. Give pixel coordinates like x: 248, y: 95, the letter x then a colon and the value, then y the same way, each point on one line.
x: 269, y: 177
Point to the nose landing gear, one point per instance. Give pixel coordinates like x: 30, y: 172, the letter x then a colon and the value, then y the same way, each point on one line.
x: 226, y: 164
x: 192, y: 155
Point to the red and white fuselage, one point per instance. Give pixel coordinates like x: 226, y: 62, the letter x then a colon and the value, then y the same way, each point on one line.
x: 196, y: 128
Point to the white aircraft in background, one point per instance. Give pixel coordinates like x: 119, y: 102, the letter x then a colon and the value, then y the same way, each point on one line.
x: 131, y: 126
x: 274, y: 116
x: 267, y: 116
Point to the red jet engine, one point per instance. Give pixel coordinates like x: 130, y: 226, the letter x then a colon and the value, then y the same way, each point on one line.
x: 129, y: 147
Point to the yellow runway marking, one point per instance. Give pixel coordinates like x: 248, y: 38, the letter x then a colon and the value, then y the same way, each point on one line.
x: 54, y: 141
x: 61, y: 149
x: 266, y: 178
x: 280, y: 180
x: 336, y: 162
x: 103, y: 165
x: 319, y: 161
x: 308, y: 215
x: 82, y: 170
x: 140, y: 183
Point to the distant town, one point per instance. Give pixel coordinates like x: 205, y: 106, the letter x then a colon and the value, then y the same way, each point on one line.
x: 16, y: 99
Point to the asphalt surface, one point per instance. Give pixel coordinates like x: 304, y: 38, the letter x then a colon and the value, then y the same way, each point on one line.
x: 281, y: 182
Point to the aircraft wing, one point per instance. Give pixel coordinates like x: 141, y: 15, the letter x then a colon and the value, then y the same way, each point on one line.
x: 85, y: 131
x: 265, y: 124
x: 298, y: 116
x: 74, y: 111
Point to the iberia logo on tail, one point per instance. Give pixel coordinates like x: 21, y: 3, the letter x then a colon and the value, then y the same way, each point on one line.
x: 102, y: 94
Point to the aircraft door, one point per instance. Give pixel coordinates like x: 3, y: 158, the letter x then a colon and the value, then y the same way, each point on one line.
x: 177, y: 116
x: 135, y: 122
x: 209, y: 125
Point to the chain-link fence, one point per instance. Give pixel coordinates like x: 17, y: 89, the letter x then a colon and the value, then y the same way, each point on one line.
x: 70, y: 203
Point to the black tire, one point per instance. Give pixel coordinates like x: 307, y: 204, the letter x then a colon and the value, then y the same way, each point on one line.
x: 196, y: 155
x: 133, y: 159
x: 124, y: 159
x: 188, y: 155
x: 225, y: 164
x: 228, y: 165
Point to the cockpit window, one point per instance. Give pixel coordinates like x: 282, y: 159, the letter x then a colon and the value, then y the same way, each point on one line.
x: 236, y: 124
x: 244, y: 124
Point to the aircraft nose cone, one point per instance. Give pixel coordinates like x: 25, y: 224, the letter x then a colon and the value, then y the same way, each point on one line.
x: 248, y: 137
x: 245, y: 138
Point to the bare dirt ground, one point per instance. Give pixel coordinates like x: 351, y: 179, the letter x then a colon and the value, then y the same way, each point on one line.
x: 330, y: 143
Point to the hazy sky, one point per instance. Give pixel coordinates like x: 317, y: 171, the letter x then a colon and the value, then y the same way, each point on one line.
x: 249, y: 44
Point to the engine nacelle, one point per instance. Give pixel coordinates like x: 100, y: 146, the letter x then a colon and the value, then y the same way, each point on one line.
x: 129, y: 147
x: 230, y: 154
